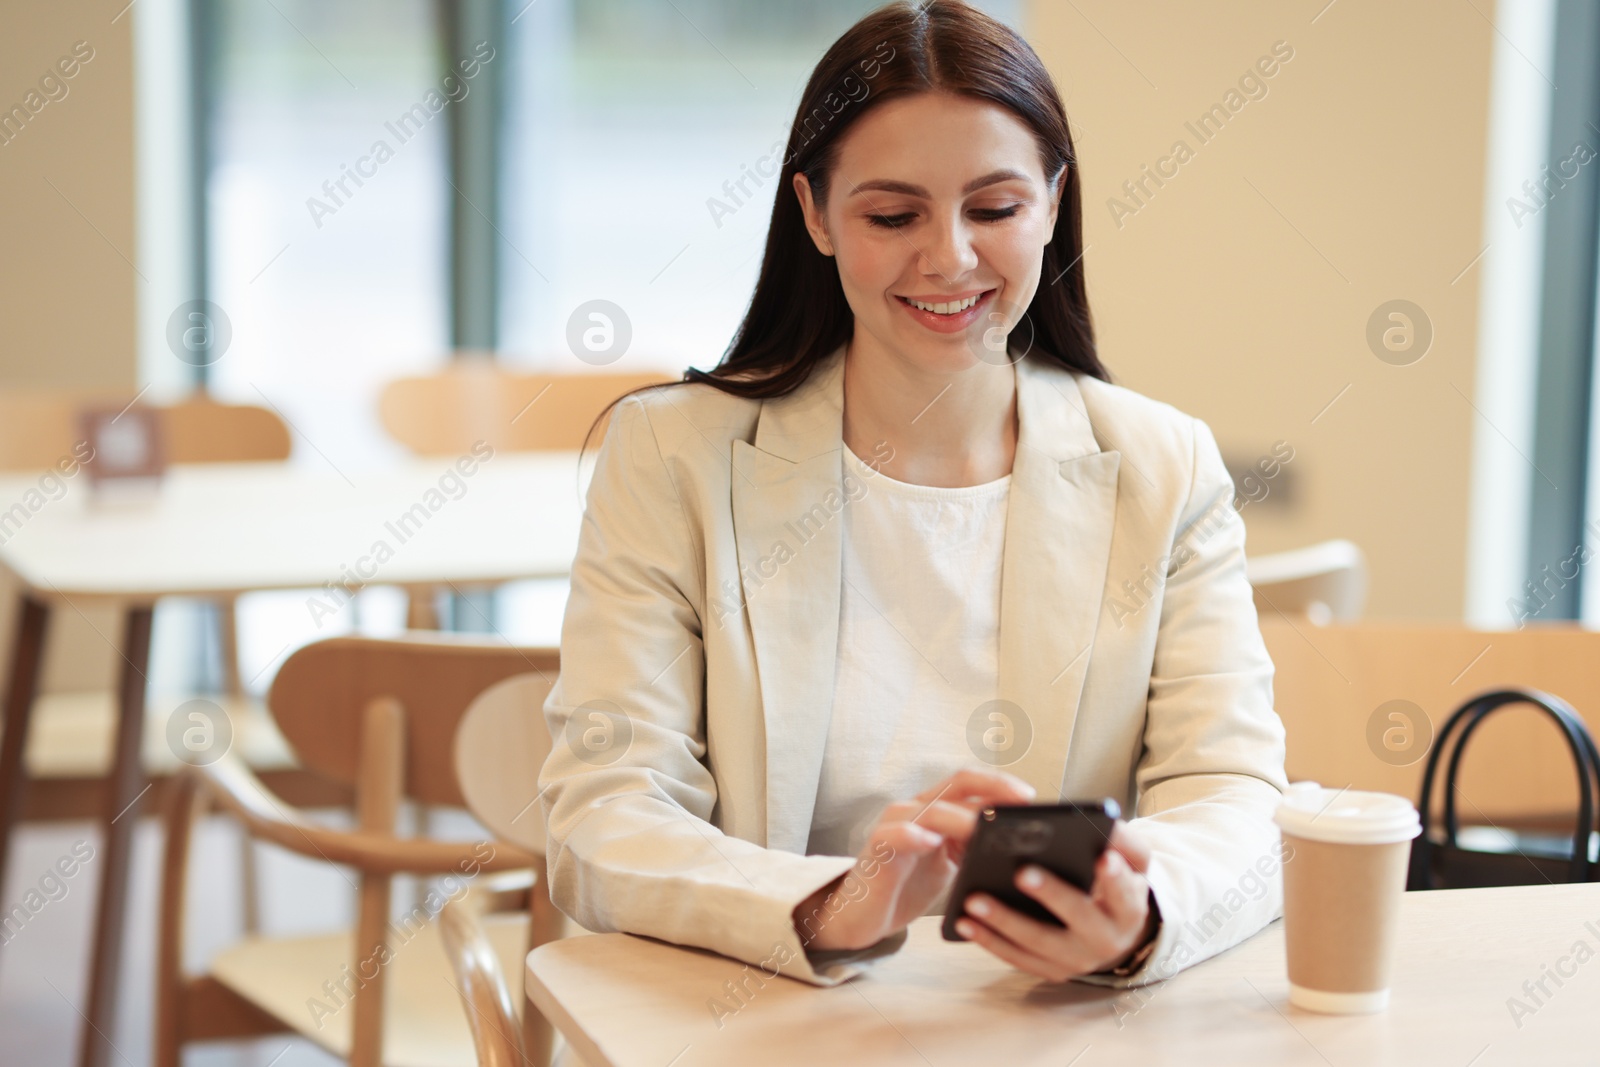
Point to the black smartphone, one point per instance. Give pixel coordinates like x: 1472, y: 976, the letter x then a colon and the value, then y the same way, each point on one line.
x: 1065, y: 839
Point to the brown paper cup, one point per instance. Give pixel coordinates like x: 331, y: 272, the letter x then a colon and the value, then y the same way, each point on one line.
x: 1344, y: 872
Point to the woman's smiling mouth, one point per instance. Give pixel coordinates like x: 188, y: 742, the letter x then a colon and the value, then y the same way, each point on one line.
x: 947, y: 314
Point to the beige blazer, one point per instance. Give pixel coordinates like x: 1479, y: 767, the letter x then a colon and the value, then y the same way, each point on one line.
x: 700, y: 639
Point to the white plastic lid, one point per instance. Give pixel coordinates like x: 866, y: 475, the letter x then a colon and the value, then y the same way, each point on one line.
x: 1346, y: 816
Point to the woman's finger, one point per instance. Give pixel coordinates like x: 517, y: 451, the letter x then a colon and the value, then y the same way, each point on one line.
x: 879, y: 880
x: 1018, y: 957
x: 1132, y: 843
x: 906, y: 842
x: 1122, y: 893
x: 940, y: 816
x: 989, y: 787
x: 1097, y: 935
x: 1064, y: 947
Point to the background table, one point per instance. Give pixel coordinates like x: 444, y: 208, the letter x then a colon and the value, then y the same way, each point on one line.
x: 233, y: 528
x: 635, y: 1002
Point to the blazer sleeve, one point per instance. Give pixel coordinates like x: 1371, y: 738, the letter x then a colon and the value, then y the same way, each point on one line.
x: 628, y: 798
x: 1211, y: 772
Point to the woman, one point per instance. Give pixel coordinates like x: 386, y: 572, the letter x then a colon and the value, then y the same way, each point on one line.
x: 905, y: 553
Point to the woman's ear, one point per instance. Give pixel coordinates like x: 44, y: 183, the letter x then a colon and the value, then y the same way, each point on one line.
x: 814, y: 221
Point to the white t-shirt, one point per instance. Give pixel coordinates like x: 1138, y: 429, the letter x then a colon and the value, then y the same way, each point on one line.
x: 919, y: 626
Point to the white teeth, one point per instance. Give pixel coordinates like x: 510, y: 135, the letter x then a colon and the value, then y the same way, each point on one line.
x: 947, y: 308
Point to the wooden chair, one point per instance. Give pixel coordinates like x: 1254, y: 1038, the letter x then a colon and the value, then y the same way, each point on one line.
x: 1361, y: 704
x: 382, y: 717
x: 199, y: 429
x: 500, y: 748
x: 39, y: 426
x: 473, y: 399
x: 1324, y: 582
x: 490, y: 985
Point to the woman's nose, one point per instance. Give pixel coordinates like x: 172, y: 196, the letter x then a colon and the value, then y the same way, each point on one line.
x: 947, y: 251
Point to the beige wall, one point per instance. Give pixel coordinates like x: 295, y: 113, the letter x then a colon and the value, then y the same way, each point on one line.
x: 1241, y: 290
x: 67, y: 278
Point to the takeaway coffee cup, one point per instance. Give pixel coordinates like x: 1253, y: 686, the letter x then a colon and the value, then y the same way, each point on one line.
x: 1344, y: 871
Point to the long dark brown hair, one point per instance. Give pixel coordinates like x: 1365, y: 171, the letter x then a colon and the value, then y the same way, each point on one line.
x: 798, y: 313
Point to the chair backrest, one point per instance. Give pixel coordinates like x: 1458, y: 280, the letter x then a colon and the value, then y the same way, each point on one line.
x: 1326, y: 582
x: 38, y: 427
x: 475, y: 399
x: 200, y: 430
x: 1362, y: 704
x: 500, y: 746
x: 321, y: 694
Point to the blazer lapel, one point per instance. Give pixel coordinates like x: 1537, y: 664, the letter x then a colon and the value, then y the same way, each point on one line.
x: 787, y: 504
x: 1057, y: 549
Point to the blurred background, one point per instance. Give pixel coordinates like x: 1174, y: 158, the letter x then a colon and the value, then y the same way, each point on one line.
x: 1378, y: 261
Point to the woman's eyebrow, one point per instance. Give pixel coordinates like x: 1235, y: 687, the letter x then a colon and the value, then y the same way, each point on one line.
x: 890, y: 185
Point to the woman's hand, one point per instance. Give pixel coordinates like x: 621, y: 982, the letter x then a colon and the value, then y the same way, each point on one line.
x: 1104, y: 927
x: 910, y: 857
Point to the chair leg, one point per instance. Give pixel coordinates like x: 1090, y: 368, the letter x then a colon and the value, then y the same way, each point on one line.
x: 227, y: 619
x: 184, y: 803
x: 377, y: 803
x: 371, y: 967
x: 27, y: 659
x: 227, y: 610
x: 249, y: 895
x: 545, y: 924
x: 124, y: 787
x: 422, y: 611
x: 422, y: 826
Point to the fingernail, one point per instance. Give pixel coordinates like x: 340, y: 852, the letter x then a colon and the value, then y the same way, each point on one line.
x: 930, y: 836
x: 978, y: 906
x: 966, y: 929
x: 1031, y: 878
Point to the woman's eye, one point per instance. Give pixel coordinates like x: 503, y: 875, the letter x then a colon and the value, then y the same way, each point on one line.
x: 894, y: 222
x: 890, y: 222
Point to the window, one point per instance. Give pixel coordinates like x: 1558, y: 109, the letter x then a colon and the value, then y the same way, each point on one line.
x: 333, y: 282
x: 629, y: 126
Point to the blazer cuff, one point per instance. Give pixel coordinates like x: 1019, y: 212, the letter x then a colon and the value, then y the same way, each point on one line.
x: 823, y: 967
x: 833, y: 966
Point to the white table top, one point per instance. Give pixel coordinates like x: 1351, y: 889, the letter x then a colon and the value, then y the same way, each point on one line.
x: 635, y: 1002
x: 224, y: 528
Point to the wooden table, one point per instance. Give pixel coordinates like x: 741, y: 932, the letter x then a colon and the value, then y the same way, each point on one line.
x: 224, y: 529
x: 634, y: 1002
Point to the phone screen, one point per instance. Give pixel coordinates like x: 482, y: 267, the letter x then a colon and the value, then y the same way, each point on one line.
x: 1065, y: 839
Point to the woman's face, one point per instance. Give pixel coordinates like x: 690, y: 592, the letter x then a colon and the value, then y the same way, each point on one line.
x: 939, y: 201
